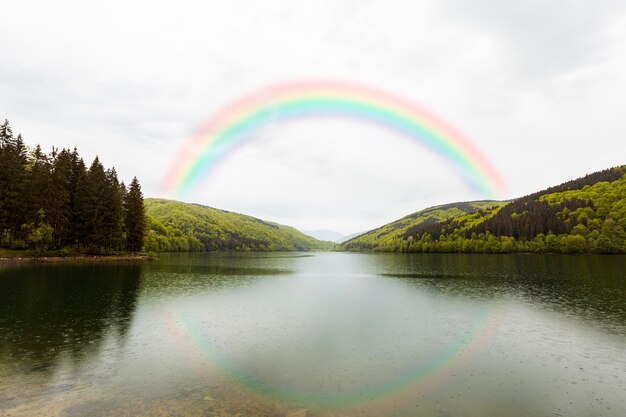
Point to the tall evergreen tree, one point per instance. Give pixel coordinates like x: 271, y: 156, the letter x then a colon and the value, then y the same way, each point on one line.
x: 52, y: 200
x: 13, y: 160
x: 135, y: 217
x: 91, y: 207
x: 37, y: 196
x: 78, y: 200
x: 112, y: 224
x: 60, y: 209
x: 6, y: 133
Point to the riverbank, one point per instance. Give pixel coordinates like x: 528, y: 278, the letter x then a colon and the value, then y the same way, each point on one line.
x: 18, y: 257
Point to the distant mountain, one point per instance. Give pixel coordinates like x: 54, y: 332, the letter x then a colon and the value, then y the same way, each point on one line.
x: 330, y: 235
x: 176, y: 226
x: 324, y: 234
x: 586, y: 215
x: 351, y: 236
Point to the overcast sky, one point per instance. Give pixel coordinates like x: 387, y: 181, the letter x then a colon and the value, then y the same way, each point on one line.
x: 539, y: 86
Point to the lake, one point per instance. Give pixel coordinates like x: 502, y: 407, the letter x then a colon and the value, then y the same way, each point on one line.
x: 316, y: 334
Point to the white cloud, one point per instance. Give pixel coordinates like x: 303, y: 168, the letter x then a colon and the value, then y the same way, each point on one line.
x: 539, y: 87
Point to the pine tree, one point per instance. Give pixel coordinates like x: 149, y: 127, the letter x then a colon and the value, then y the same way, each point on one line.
x: 60, y: 209
x: 112, y: 222
x: 52, y: 200
x: 123, y: 195
x: 78, y: 200
x: 6, y: 134
x: 135, y: 223
x: 13, y: 160
x: 91, y: 207
x: 37, y: 196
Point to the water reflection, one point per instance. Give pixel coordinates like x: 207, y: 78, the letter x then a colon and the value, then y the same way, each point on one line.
x: 63, y: 313
x: 590, y: 288
x: 339, y: 334
x: 178, y: 274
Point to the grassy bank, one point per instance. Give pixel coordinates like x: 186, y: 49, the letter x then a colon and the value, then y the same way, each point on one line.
x: 27, y: 256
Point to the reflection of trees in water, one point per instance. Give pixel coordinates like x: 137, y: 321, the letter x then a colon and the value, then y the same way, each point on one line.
x: 178, y: 272
x: 589, y: 287
x: 54, y: 312
x: 228, y: 264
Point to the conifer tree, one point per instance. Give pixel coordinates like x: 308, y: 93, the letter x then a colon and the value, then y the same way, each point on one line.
x: 60, y: 209
x: 78, y: 200
x: 135, y: 223
x: 53, y: 201
x: 91, y: 207
x: 37, y: 195
x: 6, y: 133
x: 13, y: 159
x: 123, y: 195
x: 112, y: 222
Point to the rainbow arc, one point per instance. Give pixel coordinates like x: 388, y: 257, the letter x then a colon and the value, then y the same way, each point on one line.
x: 234, y: 124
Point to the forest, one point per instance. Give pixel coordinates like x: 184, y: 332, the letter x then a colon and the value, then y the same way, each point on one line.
x: 51, y: 203
x: 585, y: 215
x: 175, y: 226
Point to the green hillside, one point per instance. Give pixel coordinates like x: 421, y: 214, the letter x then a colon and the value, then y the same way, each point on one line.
x: 393, y: 236
x: 586, y: 215
x: 181, y: 227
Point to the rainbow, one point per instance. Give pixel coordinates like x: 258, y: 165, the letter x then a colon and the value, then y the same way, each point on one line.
x: 423, y: 378
x: 232, y: 125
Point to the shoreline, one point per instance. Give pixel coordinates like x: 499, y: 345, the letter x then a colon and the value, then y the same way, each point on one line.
x: 76, y: 259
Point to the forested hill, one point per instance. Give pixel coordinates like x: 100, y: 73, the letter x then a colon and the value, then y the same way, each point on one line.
x: 393, y: 236
x: 176, y: 226
x: 586, y: 215
x: 51, y: 201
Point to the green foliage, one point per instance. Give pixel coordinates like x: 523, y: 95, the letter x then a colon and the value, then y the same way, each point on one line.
x: 60, y: 208
x: 38, y: 236
x: 53, y: 201
x: 13, y: 163
x: 587, y: 215
x: 394, y: 237
x: 176, y: 226
x: 160, y: 238
x: 135, y: 216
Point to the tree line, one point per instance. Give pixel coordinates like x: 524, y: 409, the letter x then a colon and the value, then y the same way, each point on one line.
x: 52, y: 201
x: 585, y: 215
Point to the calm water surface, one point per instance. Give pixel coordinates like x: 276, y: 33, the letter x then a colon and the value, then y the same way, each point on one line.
x: 335, y: 334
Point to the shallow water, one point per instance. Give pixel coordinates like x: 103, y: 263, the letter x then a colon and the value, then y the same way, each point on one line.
x: 336, y: 334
